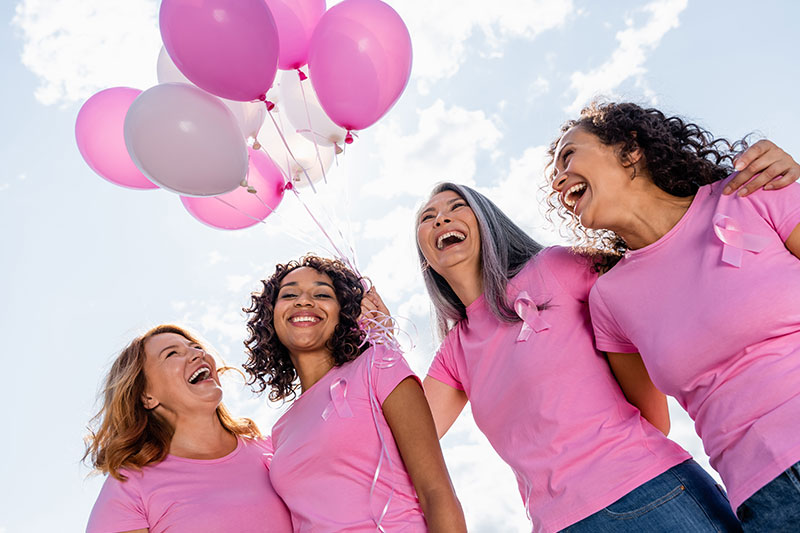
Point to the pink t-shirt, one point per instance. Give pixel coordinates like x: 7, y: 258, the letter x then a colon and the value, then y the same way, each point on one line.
x: 327, y: 448
x: 722, y: 339
x: 549, y: 405
x: 232, y: 493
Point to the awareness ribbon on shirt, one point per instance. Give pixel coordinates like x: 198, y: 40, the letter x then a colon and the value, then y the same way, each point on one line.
x: 338, y: 400
x: 528, y: 311
x: 735, y: 241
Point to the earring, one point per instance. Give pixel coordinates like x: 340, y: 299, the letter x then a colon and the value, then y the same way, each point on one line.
x: 424, y: 265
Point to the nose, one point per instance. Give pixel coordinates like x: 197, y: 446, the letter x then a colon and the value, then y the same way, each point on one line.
x: 559, y: 179
x: 302, y: 300
x: 197, y: 353
x: 441, y: 219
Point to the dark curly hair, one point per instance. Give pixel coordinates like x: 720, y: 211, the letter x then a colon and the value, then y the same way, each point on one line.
x: 268, y: 363
x: 678, y: 156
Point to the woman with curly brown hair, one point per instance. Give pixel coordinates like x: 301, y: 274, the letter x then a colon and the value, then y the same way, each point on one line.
x: 357, y: 450
x: 176, y: 459
x: 694, y: 257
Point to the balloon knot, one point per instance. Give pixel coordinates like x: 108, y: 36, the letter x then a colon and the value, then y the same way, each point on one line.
x: 337, y: 149
x: 302, y: 75
x: 288, y: 186
x: 256, y: 144
x: 348, y: 139
x: 263, y: 97
x: 270, y: 105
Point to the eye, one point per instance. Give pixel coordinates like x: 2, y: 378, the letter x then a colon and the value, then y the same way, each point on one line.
x: 565, y: 155
x: 426, y: 217
x: 287, y: 295
x: 173, y: 352
x: 457, y: 205
x: 323, y: 295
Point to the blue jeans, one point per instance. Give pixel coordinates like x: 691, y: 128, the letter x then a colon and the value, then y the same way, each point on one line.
x: 684, y: 498
x: 774, y: 507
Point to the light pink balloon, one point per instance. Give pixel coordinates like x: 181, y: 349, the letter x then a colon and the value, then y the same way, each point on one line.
x: 359, y: 61
x: 241, y: 209
x: 98, y: 132
x: 186, y: 140
x: 227, y: 47
x: 295, y: 20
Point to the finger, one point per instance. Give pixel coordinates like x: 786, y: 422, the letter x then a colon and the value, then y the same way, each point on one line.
x: 753, y: 153
x: 754, y: 169
x: 762, y: 178
x: 783, y: 181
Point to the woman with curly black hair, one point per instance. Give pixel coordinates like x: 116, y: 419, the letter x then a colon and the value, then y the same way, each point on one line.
x: 357, y: 450
x: 689, y: 257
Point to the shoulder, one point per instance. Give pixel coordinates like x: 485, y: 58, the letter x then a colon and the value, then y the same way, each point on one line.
x: 572, y: 270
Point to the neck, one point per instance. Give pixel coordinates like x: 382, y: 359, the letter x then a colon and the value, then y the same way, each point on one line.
x: 312, y: 366
x: 649, y: 215
x: 466, y: 282
x: 201, y: 436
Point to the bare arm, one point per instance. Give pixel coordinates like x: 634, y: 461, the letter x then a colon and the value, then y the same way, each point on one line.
x: 793, y: 242
x: 639, y: 390
x: 763, y: 165
x: 446, y: 403
x: 410, y: 419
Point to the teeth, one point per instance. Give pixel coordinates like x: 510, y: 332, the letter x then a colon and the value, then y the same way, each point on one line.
x: 457, y: 234
x: 199, y: 374
x: 569, y: 197
x: 304, y: 319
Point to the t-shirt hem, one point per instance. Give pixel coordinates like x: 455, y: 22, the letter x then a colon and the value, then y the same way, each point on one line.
x: 444, y: 378
x: 606, y: 346
x: 738, y: 496
x: 120, y: 525
x: 566, y: 520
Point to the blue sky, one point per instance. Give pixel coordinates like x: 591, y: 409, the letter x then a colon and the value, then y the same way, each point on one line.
x: 87, y: 265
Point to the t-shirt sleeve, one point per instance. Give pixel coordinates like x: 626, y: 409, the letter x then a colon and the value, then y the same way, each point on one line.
x: 573, y: 271
x: 443, y: 367
x: 607, y: 333
x: 119, y: 507
x: 264, y: 444
x: 389, y: 369
x: 781, y: 208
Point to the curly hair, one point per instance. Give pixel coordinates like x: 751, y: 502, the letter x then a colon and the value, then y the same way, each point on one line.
x: 678, y: 156
x: 268, y: 363
x: 123, y: 434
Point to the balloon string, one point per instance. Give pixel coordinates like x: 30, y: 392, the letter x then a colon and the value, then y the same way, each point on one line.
x: 301, y: 77
x: 375, y: 407
x: 286, y: 144
x: 345, y: 259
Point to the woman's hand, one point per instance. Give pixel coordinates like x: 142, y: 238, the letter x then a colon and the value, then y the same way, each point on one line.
x: 763, y: 165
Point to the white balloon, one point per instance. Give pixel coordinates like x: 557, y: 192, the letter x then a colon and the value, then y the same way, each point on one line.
x: 249, y: 115
x: 293, y: 104
x: 185, y: 140
x: 305, y: 161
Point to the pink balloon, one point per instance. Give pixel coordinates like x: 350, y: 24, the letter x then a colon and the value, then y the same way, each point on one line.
x: 98, y: 131
x: 227, y: 47
x: 295, y: 20
x: 359, y: 61
x: 241, y: 209
x: 186, y: 140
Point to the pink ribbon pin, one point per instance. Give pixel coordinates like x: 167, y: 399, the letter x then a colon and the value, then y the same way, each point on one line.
x: 735, y: 241
x: 529, y: 313
x: 338, y: 400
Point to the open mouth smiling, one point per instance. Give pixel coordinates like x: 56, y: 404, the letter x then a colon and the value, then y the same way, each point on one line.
x: 304, y: 319
x: 571, y: 196
x: 201, y: 374
x: 448, y: 239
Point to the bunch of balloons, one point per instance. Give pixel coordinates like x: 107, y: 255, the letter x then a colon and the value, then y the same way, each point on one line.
x: 199, y: 132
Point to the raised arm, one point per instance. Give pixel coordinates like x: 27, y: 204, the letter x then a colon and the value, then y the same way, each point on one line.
x: 639, y: 390
x: 409, y: 417
x: 763, y: 165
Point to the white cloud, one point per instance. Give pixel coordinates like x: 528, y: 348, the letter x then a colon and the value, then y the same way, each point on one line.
x: 443, y: 147
x: 77, y: 47
x: 629, y: 57
x: 4, y: 186
x: 440, y: 30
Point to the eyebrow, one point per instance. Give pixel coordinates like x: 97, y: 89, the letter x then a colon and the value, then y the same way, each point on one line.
x: 294, y: 284
x: 449, y: 202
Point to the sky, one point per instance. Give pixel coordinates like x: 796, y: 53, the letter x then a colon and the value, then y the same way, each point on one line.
x: 87, y: 265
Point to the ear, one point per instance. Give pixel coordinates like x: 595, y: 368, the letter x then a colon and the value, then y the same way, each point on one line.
x: 149, y: 402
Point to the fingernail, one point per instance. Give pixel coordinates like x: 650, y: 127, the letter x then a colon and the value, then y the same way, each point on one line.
x: 727, y: 190
x: 768, y: 187
x: 743, y: 191
x: 738, y: 165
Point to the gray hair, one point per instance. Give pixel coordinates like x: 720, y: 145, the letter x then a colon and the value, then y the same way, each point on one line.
x: 505, y: 249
